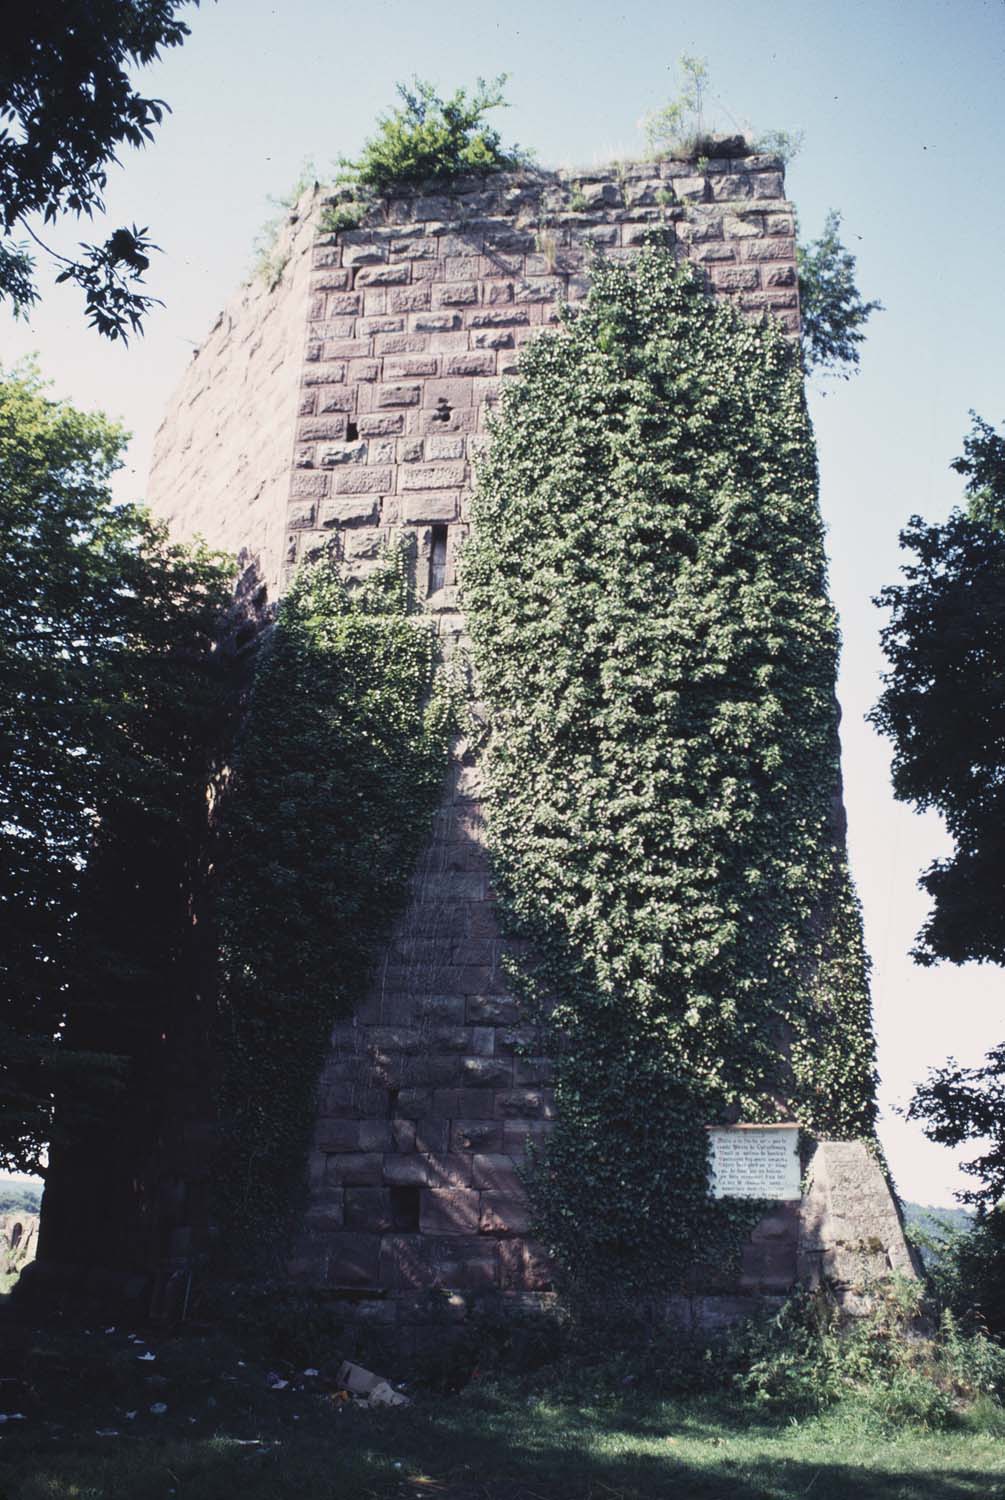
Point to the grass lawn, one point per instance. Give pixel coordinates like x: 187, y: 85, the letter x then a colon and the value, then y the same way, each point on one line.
x: 225, y: 1433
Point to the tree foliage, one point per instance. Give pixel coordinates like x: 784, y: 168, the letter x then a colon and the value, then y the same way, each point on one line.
x: 943, y: 704
x: 335, y: 779
x: 105, y: 689
x: 645, y: 588
x: 67, y: 103
x: 831, y: 307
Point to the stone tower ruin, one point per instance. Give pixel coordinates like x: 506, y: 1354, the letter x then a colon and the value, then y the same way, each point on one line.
x: 346, y: 401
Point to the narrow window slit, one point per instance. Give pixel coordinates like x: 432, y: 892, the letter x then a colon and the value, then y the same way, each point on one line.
x: 437, y: 557
x: 351, y: 432
x: 405, y: 1208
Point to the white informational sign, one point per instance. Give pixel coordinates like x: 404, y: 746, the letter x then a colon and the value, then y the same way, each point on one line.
x: 755, y: 1161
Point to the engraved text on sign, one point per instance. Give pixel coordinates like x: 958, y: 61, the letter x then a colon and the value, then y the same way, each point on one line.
x: 755, y: 1161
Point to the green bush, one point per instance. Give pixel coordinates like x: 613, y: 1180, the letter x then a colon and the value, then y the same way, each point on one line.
x: 811, y: 1355
x: 430, y: 139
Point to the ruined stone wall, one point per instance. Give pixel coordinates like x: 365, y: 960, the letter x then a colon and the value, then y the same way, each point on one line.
x: 221, y: 458
x: 433, y: 1091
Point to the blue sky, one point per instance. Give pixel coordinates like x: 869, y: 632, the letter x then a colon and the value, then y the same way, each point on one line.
x: 904, y: 133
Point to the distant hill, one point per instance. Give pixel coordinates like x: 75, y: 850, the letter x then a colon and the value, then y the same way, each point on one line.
x: 927, y: 1216
x: 17, y: 1196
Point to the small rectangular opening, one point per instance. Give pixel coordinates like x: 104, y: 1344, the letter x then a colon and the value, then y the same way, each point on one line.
x: 405, y: 1208
x: 437, y: 557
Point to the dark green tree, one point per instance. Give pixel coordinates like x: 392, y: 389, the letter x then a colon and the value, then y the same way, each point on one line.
x: 831, y: 307
x: 943, y: 707
x: 943, y: 704
x: 67, y: 103
x: 106, y: 693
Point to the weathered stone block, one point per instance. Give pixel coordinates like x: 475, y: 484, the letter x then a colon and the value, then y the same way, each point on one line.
x: 476, y: 1135
x: 398, y: 395
x: 347, y: 508
x: 368, y: 1208
x: 423, y: 508
x: 504, y: 1213
x: 369, y: 276
x: 381, y: 424
x: 354, y: 1260
x: 407, y: 1171
x: 495, y: 1172
x: 368, y: 480
x: 455, y: 294
x: 356, y: 1168
x: 332, y: 455
x: 449, y: 1211
x: 434, y: 477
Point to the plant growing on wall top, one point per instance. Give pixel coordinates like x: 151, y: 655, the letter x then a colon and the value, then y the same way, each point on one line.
x: 680, y: 129
x: 429, y: 138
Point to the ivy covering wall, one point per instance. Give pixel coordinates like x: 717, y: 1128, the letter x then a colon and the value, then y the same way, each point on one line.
x: 646, y: 594
x: 335, y: 780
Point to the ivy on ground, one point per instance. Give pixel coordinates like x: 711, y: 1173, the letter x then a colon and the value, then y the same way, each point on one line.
x: 335, y: 781
x: 646, y: 595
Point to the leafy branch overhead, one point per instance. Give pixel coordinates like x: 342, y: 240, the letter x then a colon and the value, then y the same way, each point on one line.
x: 67, y: 104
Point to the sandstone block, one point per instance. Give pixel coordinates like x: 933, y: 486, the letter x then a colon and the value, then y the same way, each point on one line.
x: 337, y: 1135
x: 403, y: 1135
x: 327, y: 1214
x: 432, y: 1136
x: 472, y: 363
x: 398, y: 395
x: 363, y: 255
x: 504, y: 1213
x: 300, y: 513
x: 476, y: 1135
x: 434, y: 477
x: 445, y: 447
x: 411, y: 364
x: 356, y: 1168
x: 345, y: 510
x: 449, y: 1211
x: 462, y: 267
x: 375, y: 424
x: 369, y: 276
x: 491, y: 1010
x: 342, y: 453
x: 464, y: 1104
x: 368, y: 1208
x: 363, y: 480
x: 413, y: 1104
x: 407, y: 1171
x: 539, y: 289
x: 420, y: 509
x: 302, y: 485
x: 449, y: 1169
x: 342, y: 304
x: 736, y: 278
x: 354, y: 1260
x: 413, y: 248
x: 498, y: 317
x: 455, y: 294
x: 434, y: 322
x: 487, y: 1072
x: 495, y: 1172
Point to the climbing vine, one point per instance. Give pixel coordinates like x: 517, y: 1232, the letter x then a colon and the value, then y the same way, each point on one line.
x: 646, y: 595
x: 336, y: 777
